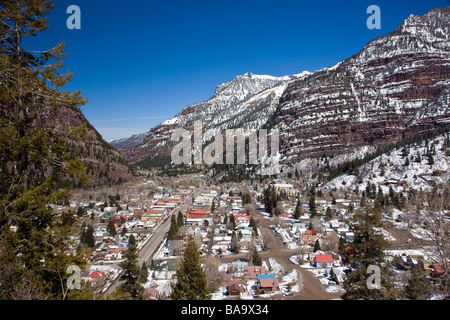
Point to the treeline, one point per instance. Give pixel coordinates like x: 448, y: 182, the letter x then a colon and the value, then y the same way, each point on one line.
x: 158, y: 162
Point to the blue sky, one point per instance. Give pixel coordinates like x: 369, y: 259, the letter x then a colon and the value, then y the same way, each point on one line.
x: 139, y: 62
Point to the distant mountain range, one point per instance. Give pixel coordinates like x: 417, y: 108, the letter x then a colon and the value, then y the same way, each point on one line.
x: 126, y: 143
x: 398, y: 85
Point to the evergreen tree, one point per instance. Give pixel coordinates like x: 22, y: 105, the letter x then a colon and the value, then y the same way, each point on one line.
x: 144, y: 273
x: 418, y: 287
x: 89, y: 237
x: 83, y: 233
x: 367, y: 250
x: 191, y: 281
x: 329, y: 213
x: 312, y: 206
x: 342, y: 249
x: 298, y: 210
x: 85, y: 293
x: 132, y: 242
x: 233, y: 221
x: 33, y: 262
x: 234, y: 244
x: 430, y: 158
x: 173, y: 229
x: 270, y: 199
x: 132, y: 274
x: 111, y: 227
x: 317, y: 245
x: 173, y: 222
x: 256, y: 258
x: 252, y: 224
x: 180, y: 219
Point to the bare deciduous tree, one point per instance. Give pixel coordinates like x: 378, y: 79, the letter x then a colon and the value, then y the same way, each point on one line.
x: 430, y: 211
x: 265, y: 238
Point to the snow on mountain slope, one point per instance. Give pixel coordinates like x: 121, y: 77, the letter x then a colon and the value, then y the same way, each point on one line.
x: 402, y: 168
x: 396, y: 86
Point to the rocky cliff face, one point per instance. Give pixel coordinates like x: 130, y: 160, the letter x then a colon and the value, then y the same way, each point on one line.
x: 246, y: 102
x: 397, y: 85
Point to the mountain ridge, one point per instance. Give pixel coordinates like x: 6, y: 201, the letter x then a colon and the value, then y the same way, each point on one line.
x: 370, y: 99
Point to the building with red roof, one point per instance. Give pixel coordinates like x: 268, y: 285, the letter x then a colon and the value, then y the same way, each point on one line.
x: 197, y: 214
x: 96, y: 274
x: 323, y: 260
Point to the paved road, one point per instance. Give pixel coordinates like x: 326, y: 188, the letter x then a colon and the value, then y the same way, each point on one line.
x: 159, y: 234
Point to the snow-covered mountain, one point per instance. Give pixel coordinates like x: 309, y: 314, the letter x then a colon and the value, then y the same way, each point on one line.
x: 126, y: 143
x: 396, y: 86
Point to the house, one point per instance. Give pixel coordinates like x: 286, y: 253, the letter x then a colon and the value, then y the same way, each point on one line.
x: 299, y: 227
x: 349, y: 236
x: 197, y: 214
x: 309, y: 237
x: 238, y: 265
x: 283, y: 187
x: 323, y: 260
x: 196, y: 217
x: 251, y: 272
x: 164, y: 271
x: 268, y: 284
x: 225, y: 278
x: 153, y: 215
x: 437, y: 270
x: 174, y: 248
x: 259, y: 277
x: 243, y: 219
x: 96, y: 274
x: 236, y: 287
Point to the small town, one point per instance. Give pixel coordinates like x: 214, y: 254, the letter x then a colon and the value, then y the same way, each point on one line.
x: 246, y: 252
x: 209, y: 158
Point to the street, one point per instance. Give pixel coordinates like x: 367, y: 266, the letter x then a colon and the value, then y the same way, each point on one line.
x: 157, y: 237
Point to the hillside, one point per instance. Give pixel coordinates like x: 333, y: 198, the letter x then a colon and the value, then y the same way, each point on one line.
x: 420, y: 166
x: 105, y: 165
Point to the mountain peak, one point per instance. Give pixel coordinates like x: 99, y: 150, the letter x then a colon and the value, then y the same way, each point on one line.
x: 431, y: 27
x: 394, y: 87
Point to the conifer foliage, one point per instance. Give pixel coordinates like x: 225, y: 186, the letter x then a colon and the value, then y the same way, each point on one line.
x: 132, y: 274
x: 191, y: 281
x: 33, y: 157
x: 364, y: 254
